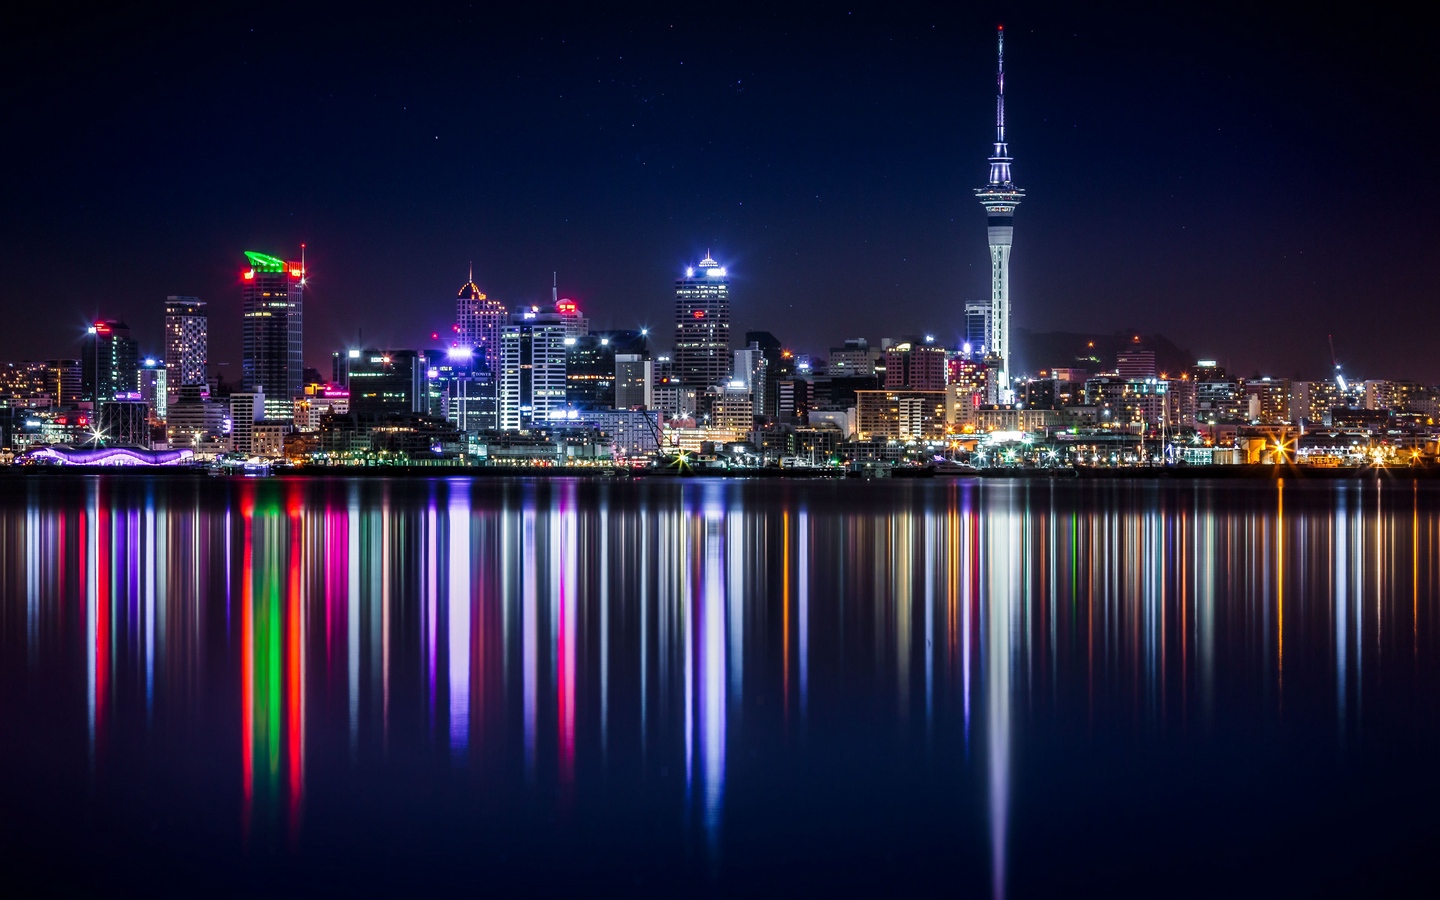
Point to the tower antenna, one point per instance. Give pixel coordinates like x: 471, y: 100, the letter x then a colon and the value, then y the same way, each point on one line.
x: 302, y: 263
x: 555, y: 288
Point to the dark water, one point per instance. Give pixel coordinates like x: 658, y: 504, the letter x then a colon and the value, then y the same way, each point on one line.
x: 382, y: 687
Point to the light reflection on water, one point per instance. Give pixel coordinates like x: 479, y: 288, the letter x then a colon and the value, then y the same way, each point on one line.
x: 582, y: 647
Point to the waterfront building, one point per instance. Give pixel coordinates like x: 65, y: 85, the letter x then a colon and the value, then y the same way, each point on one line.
x: 532, y: 369
x: 1127, y: 402
x: 196, y: 422
x: 899, y: 415
x: 702, y: 325
x: 247, y: 408
x: 272, y: 330
x: 1268, y: 401
x: 187, y: 341
x: 1000, y: 197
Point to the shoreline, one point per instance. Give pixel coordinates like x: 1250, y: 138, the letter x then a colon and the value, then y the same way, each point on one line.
x: 1234, y: 472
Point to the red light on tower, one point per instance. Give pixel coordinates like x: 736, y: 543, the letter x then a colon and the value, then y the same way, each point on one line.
x: 566, y: 306
x: 699, y: 313
x: 248, y: 275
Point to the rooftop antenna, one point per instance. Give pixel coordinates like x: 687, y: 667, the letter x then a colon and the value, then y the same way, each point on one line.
x: 302, y: 263
x: 555, y: 288
x: 472, y: 271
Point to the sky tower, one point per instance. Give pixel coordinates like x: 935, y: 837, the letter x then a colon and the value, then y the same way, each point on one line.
x: 1000, y: 197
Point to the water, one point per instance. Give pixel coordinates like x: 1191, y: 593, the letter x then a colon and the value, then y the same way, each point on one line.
x: 995, y: 688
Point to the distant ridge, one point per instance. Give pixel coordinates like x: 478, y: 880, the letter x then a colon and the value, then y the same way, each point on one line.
x: 1036, y: 350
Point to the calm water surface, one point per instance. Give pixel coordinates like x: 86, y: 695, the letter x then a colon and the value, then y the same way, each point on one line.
x: 985, y: 689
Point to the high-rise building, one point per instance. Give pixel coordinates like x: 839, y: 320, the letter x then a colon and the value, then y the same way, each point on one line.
x: 1133, y: 363
x: 154, y: 385
x: 187, y: 341
x: 634, y: 381
x: 702, y: 325
x: 1000, y: 197
x: 532, y: 369
x: 977, y: 329
x: 478, y: 321
x: 576, y: 325
x: 852, y: 359
x: 110, y: 363
x: 778, y: 364
x: 273, y: 333
x: 64, y: 379
x: 915, y: 366
x: 247, y: 408
x: 386, y: 382
x: 590, y: 366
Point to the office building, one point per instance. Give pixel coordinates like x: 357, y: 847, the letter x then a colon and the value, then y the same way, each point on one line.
x: 702, y: 325
x: 634, y: 381
x: 246, y: 409
x: 109, y: 362
x: 976, y: 338
x: 576, y: 325
x: 532, y: 369
x: 900, y: 415
x: 590, y: 365
x: 1135, y: 363
x: 272, y: 331
x: 915, y: 366
x: 187, y: 341
x: 1000, y: 198
x: 387, y: 382
x: 154, y: 384
x: 851, y: 359
x: 64, y: 379
x: 478, y: 321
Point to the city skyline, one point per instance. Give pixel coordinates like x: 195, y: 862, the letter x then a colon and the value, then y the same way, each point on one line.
x: 1194, y: 179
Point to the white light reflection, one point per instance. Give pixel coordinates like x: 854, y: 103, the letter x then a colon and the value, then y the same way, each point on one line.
x: 712, y: 675
x: 352, y: 613
x: 458, y: 615
x: 1001, y: 589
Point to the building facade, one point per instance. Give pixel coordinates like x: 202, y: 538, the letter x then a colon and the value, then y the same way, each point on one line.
x: 702, y: 325
x: 532, y: 369
x: 478, y: 322
x: 109, y: 362
x: 273, y: 330
x: 187, y: 341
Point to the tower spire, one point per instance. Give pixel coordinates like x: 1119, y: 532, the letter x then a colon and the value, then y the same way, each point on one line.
x: 999, y: 197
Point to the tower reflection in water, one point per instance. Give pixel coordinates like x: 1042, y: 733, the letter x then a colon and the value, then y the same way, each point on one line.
x: 561, y: 634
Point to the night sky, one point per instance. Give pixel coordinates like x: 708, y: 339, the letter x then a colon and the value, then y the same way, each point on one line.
x: 1242, y: 183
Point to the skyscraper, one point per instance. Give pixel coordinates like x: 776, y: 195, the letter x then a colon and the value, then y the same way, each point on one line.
x: 110, y: 363
x: 187, y: 337
x: 273, y: 307
x: 1000, y: 197
x: 478, y: 321
x: 702, y: 325
x: 532, y: 369
x: 977, y: 328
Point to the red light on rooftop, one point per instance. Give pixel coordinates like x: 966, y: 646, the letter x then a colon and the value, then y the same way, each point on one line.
x: 699, y: 313
x: 434, y: 336
x: 102, y: 328
x: 295, y: 273
x: 567, y: 306
x: 248, y: 275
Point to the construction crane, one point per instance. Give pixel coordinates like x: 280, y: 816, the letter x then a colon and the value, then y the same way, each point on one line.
x: 1339, y: 377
